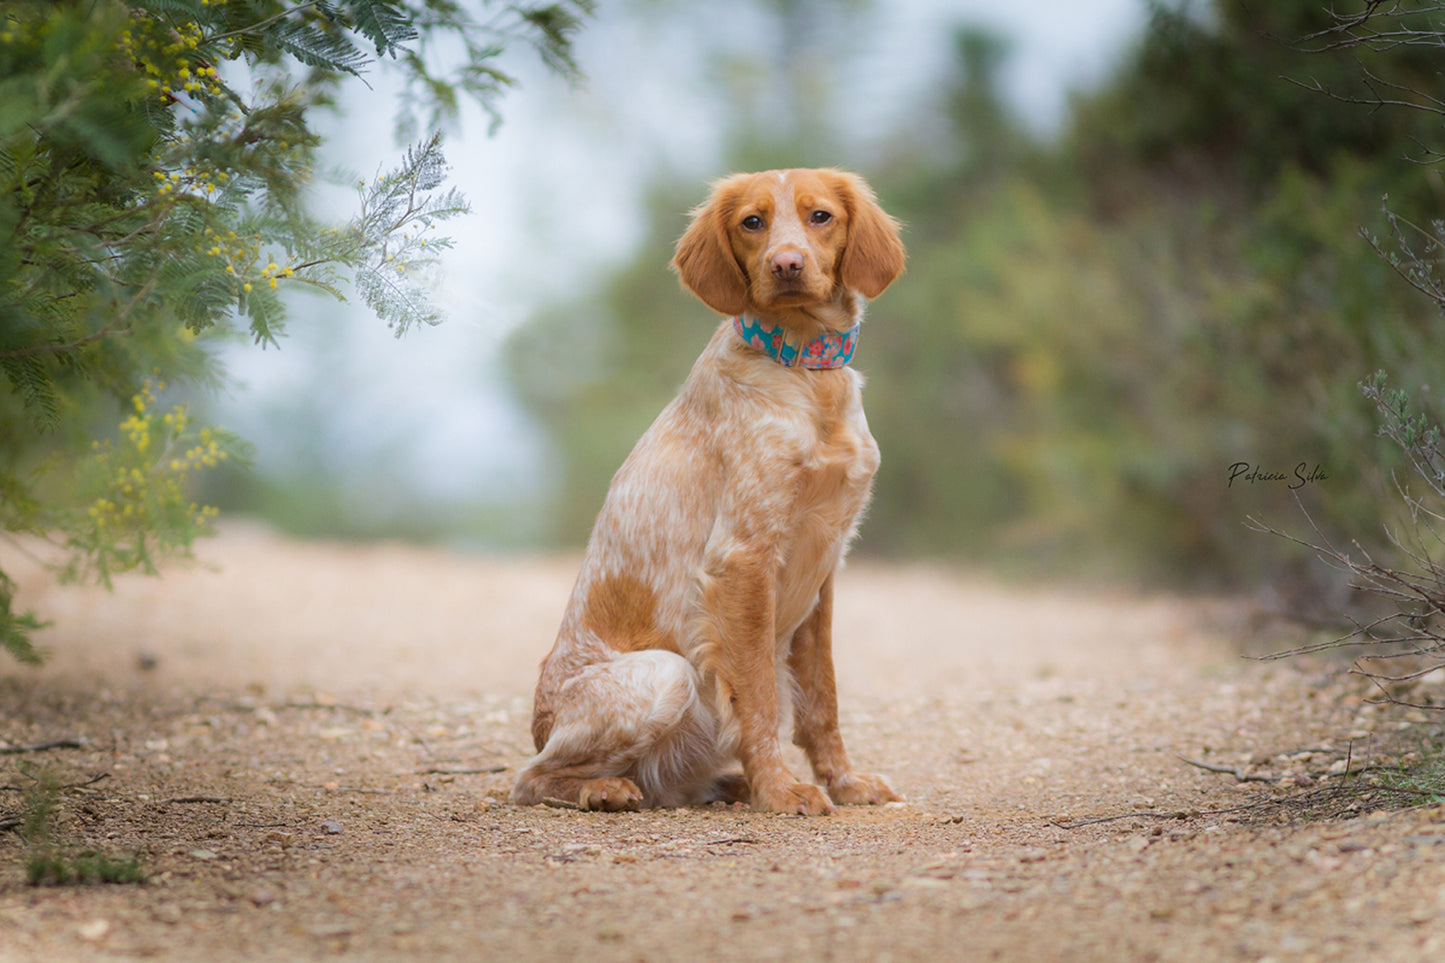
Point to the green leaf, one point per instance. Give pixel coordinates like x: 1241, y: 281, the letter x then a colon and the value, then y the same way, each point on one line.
x: 30, y: 377
x: 316, y: 48
x: 15, y: 628
x: 384, y: 24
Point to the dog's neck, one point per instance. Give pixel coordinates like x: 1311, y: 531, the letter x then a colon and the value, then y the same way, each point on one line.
x: 831, y: 349
x: 816, y: 336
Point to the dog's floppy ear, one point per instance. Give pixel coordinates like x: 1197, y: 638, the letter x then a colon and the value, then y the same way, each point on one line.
x: 874, y: 255
x: 704, y: 261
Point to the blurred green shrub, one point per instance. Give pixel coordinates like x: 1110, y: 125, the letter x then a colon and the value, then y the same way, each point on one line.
x: 1092, y: 331
x: 148, y: 198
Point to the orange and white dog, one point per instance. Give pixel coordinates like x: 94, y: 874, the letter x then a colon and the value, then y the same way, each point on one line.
x: 705, y: 600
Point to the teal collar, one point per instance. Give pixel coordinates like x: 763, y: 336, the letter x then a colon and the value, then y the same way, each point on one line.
x: 831, y: 349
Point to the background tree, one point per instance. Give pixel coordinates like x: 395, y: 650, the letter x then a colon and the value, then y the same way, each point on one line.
x: 1168, y: 290
x: 1401, y: 639
x: 154, y: 161
x: 1094, y: 327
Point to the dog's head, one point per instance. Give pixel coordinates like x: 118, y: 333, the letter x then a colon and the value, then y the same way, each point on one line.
x: 788, y: 239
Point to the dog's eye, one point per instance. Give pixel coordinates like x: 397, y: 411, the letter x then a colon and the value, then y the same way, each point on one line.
x: 821, y: 217
x: 752, y: 223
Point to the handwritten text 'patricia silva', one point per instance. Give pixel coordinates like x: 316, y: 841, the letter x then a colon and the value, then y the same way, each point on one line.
x: 1243, y: 471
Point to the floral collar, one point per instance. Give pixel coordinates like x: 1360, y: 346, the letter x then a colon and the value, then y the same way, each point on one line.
x: 831, y: 349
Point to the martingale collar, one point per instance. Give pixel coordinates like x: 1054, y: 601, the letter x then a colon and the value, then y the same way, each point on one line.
x: 831, y: 349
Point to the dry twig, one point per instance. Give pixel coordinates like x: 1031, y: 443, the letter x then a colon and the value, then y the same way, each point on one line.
x: 1236, y: 772
x: 461, y: 772
x: 223, y: 800
x: 44, y: 746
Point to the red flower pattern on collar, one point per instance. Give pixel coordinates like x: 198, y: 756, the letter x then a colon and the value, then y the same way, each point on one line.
x: 831, y: 349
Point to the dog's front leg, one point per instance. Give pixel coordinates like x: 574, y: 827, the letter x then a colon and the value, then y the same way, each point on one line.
x: 744, y: 605
x: 815, y: 710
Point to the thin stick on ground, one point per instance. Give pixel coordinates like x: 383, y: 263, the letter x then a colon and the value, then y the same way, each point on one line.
x: 487, y: 770
x: 1234, y: 771
x: 181, y: 800
x: 44, y: 746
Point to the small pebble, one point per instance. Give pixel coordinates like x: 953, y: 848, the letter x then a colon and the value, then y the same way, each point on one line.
x: 93, y: 931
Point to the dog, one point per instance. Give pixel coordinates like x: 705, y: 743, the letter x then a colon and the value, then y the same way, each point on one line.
x: 704, y: 603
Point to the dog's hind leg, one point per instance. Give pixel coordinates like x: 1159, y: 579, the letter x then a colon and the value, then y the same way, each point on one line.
x: 625, y: 733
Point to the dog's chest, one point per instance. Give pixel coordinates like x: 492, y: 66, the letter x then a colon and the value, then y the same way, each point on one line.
x: 831, y: 482
x: 835, y: 474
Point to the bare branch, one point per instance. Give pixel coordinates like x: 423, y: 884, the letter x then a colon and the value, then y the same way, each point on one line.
x: 1371, y: 28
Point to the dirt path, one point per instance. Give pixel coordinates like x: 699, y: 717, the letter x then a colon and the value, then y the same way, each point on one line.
x: 313, y: 762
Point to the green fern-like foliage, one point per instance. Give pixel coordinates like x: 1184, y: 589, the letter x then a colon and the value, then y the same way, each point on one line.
x: 15, y: 627
x: 400, y: 208
x: 147, y: 202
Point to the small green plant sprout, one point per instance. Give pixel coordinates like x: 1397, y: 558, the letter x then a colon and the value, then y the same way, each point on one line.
x: 46, y: 862
x: 1422, y: 777
x: 82, y: 869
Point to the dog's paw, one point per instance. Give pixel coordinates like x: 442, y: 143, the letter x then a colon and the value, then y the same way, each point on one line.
x: 799, y: 797
x: 611, y: 794
x: 862, y: 789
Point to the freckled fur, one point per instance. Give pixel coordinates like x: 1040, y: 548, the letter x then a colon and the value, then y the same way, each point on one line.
x: 703, y: 607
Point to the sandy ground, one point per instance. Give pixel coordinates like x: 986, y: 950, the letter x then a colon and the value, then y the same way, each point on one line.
x: 309, y: 748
